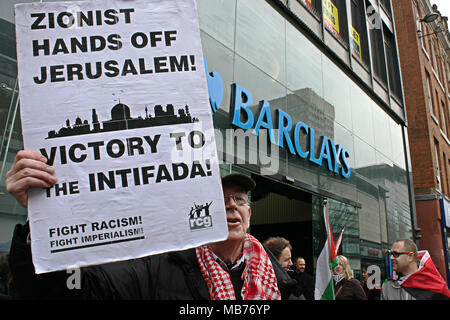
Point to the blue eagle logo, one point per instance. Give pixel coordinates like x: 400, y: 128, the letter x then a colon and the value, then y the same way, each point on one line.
x: 215, y: 88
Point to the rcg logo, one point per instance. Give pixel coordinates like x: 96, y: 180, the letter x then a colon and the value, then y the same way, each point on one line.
x: 215, y: 88
x: 197, y: 220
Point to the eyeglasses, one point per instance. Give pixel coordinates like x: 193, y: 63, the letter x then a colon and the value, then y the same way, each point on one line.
x: 239, y: 198
x: 397, y: 254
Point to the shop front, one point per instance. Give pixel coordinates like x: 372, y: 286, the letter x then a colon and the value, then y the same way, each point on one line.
x: 288, y: 115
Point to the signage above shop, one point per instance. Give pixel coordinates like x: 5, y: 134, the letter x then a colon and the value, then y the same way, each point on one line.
x: 331, y: 17
x: 289, y: 135
x: 355, y: 42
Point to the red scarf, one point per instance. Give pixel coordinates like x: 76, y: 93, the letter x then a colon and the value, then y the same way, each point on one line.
x: 426, y: 277
x: 259, y: 278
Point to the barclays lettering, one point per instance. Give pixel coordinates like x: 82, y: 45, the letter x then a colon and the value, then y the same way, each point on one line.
x: 289, y: 134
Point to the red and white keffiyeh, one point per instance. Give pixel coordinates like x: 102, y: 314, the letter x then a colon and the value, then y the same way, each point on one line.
x: 259, y: 278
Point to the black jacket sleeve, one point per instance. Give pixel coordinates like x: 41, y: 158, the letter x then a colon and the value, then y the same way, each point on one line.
x: 25, y: 283
x: 127, y: 279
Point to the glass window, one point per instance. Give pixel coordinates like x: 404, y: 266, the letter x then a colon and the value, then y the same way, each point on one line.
x: 216, y: 18
x: 395, y: 197
x: 382, y: 132
x: 436, y: 105
x: 334, y: 183
x: 259, y: 84
x: 313, y: 5
x: 345, y: 216
x: 304, y: 62
x: 386, y: 5
x: 220, y: 60
x: 438, y: 171
x: 443, y: 117
x: 260, y: 37
x: 302, y: 107
x: 361, y: 114
x: 262, y: 87
x: 345, y: 138
x: 358, y: 32
x: 392, y: 62
x: 336, y: 90
x: 398, y: 152
x: 430, y: 98
x: 369, y: 216
x: 335, y: 18
x: 306, y: 106
x: 364, y: 154
x: 444, y: 174
x: 340, y: 215
x: 385, y: 180
x: 377, y: 48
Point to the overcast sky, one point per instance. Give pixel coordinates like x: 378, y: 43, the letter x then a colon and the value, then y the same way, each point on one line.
x: 443, y: 6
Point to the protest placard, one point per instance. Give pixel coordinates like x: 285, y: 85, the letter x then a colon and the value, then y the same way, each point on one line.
x: 114, y: 94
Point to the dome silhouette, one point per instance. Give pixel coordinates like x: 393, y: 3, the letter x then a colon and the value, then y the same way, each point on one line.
x: 120, y: 112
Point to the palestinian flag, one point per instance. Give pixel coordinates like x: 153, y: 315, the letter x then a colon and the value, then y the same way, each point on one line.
x: 426, y: 283
x: 326, y: 262
x: 338, y: 243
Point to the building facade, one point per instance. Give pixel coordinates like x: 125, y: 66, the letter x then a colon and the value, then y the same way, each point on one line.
x: 324, y: 75
x: 424, y: 55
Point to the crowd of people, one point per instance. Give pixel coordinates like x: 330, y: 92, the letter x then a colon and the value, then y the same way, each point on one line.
x: 240, y: 267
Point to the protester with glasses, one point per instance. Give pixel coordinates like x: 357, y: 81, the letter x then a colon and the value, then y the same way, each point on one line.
x: 416, y: 276
x: 237, y: 268
x: 404, y: 262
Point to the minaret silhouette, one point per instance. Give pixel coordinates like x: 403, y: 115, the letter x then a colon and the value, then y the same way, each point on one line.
x: 94, y: 116
x: 95, y: 121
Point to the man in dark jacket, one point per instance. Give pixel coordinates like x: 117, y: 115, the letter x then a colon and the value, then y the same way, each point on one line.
x: 237, y: 268
x: 305, y: 280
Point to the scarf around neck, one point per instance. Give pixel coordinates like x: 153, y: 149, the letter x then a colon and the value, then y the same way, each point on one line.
x: 426, y: 278
x: 260, y: 282
x: 338, y: 277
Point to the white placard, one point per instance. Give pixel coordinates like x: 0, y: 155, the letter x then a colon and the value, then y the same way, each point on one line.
x: 113, y: 93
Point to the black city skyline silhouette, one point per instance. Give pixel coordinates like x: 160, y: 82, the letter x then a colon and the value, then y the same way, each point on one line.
x: 121, y: 120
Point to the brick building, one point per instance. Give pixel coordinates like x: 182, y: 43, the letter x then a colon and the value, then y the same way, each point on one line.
x: 424, y: 43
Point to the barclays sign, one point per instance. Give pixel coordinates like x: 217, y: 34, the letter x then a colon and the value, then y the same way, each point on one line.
x: 282, y: 131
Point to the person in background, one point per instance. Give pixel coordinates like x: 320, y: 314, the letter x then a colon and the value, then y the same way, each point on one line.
x: 304, y: 280
x: 372, y: 294
x: 282, y: 250
x: 417, y: 276
x: 345, y: 286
